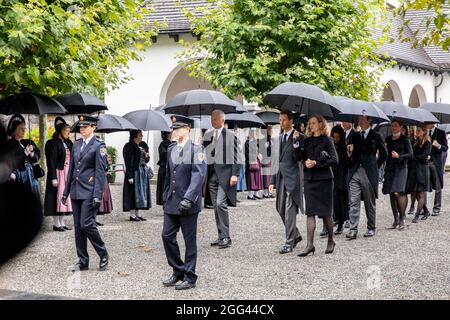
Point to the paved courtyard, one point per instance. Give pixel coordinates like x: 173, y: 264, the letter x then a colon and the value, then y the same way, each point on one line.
x: 409, y: 264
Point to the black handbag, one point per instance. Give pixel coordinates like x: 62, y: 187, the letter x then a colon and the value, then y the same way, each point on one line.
x: 38, y: 172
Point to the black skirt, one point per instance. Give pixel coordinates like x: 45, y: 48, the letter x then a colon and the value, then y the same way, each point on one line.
x: 395, y: 180
x: 319, y: 197
x: 418, y: 178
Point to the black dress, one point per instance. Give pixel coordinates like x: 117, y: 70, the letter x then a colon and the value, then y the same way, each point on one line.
x: 396, y: 171
x: 318, y: 180
x: 418, y: 169
x: 162, y: 163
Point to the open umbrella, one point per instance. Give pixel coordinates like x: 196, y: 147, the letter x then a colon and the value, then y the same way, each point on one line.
x: 440, y: 110
x: 303, y: 98
x: 269, y: 117
x: 244, y: 120
x: 425, y: 116
x: 81, y: 103
x: 444, y: 127
x: 109, y: 123
x: 147, y: 120
x: 352, y: 108
x: 199, y: 102
x: 239, y: 107
x: 398, y: 111
x: 31, y: 103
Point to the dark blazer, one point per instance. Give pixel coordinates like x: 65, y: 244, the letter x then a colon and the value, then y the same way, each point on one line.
x: 162, y: 163
x: 86, y: 178
x: 286, y: 166
x: 226, y: 160
x: 185, y: 177
x: 403, y: 147
x: 418, y: 170
x: 365, y: 154
x: 132, y: 157
x: 17, y: 154
x: 340, y: 170
x: 437, y: 155
x: 55, y: 155
x: 313, y: 148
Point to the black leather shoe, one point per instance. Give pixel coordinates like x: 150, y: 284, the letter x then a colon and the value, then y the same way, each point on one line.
x: 307, y: 251
x: 67, y: 228
x: 352, y: 235
x: 103, y: 263
x: 339, y: 230
x: 142, y: 219
x: 285, y: 249
x: 296, y: 241
x: 172, y: 281
x: 215, y: 243
x: 224, y: 243
x: 435, y: 214
x: 79, y: 267
x: 185, y: 285
x: 59, y: 229
x: 134, y: 219
x: 425, y: 216
x: 369, y: 234
x: 209, y: 206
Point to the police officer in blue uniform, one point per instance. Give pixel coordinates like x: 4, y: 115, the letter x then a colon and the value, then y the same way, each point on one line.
x: 85, y: 184
x: 186, y: 173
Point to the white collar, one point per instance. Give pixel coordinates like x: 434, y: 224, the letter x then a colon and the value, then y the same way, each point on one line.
x: 288, y: 133
x: 182, y: 144
x: 86, y: 141
x: 366, y: 132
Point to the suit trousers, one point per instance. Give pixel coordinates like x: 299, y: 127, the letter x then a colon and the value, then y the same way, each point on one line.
x: 188, y: 224
x: 360, y: 187
x: 219, y: 202
x: 288, y: 213
x: 86, y: 228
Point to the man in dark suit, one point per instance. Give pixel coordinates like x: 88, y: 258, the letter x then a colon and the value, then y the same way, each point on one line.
x: 85, y: 184
x: 185, y: 176
x: 286, y: 180
x: 348, y: 131
x: 440, y: 147
x: 363, y: 175
x: 223, y: 171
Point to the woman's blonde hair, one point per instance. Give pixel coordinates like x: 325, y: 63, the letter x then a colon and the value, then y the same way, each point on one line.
x: 426, y: 137
x: 324, y: 130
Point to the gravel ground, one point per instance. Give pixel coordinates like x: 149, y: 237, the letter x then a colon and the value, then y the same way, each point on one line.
x: 409, y: 264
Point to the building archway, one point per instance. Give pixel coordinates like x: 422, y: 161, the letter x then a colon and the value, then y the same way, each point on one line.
x: 417, y: 96
x: 392, y: 92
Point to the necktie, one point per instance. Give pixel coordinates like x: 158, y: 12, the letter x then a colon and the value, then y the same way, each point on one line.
x: 83, y: 145
x: 363, y: 134
x: 216, y: 135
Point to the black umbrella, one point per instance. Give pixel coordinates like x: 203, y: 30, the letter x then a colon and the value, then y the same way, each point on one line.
x: 244, y: 120
x: 147, y: 120
x: 239, y: 107
x: 31, y: 103
x: 303, y: 98
x: 400, y: 112
x: 440, y: 111
x: 269, y: 117
x: 425, y: 116
x: 109, y: 123
x: 199, y: 102
x: 352, y: 108
x: 81, y: 103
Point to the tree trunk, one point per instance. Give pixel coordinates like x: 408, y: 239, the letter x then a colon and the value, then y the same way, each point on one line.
x: 43, y: 131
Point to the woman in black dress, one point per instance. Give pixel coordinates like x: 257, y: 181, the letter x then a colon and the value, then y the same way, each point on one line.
x: 319, y: 155
x: 57, y: 153
x: 396, y: 173
x: 340, y: 171
x: 162, y: 163
x: 136, y: 187
x: 419, y: 173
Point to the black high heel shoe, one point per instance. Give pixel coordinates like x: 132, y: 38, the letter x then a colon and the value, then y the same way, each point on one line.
x: 305, y: 253
x: 330, y: 249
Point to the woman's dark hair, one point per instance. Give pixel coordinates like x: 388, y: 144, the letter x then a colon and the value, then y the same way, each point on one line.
x: 405, y: 127
x: 164, y: 135
x: 340, y: 131
x: 133, y: 134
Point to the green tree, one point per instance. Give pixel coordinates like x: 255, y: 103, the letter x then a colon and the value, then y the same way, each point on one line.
x: 250, y: 46
x: 436, y: 25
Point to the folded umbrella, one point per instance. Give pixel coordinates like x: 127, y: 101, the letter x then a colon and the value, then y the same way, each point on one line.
x: 351, y: 109
x: 147, y: 120
x: 81, y: 103
x: 440, y: 110
x: 400, y: 112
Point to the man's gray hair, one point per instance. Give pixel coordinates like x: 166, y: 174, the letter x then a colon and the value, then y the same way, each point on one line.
x: 218, y: 112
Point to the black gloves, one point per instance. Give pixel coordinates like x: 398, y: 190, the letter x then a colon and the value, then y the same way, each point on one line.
x: 64, y: 200
x: 184, y: 206
x: 96, y: 203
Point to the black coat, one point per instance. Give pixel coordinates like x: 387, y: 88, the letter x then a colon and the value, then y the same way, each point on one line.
x: 55, y: 155
x: 162, y: 163
x: 322, y: 150
x: 403, y: 147
x: 437, y: 155
x: 365, y: 154
x: 340, y: 170
x: 17, y: 154
x: 418, y: 169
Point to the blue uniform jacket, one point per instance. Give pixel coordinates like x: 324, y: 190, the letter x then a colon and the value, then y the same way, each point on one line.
x: 86, y: 178
x: 185, y: 176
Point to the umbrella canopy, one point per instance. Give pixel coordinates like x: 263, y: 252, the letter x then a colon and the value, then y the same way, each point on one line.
x: 303, y: 98
x: 109, y: 123
x: 31, y: 103
x: 147, y: 120
x: 202, y: 122
x: 199, y: 102
x: 398, y: 111
x: 269, y: 117
x: 244, y: 120
x: 444, y: 127
x: 352, y: 108
x: 160, y: 108
x: 81, y: 103
x: 425, y: 116
x: 239, y: 107
x: 439, y: 110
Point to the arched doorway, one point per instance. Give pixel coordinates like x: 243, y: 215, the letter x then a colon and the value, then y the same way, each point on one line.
x: 181, y: 81
x: 417, y: 96
x: 391, y: 92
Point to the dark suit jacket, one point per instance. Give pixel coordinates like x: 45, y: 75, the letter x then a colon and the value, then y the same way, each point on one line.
x: 437, y: 155
x: 226, y: 160
x: 286, y: 166
x: 365, y: 154
x: 185, y: 177
x: 86, y: 177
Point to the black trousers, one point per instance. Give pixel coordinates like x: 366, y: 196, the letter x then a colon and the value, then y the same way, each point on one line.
x: 340, y: 206
x: 86, y: 228
x: 188, y: 224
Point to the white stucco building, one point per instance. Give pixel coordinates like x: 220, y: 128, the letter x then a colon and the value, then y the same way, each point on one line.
x: 421, y: 75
